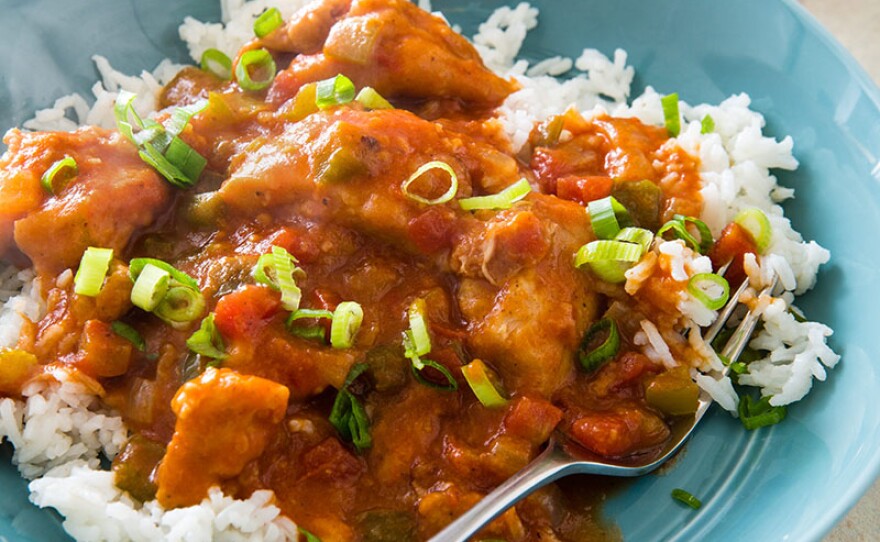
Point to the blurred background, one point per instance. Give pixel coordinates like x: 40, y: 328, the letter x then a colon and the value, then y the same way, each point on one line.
x: 855, y: 24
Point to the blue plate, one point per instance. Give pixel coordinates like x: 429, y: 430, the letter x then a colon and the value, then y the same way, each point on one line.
x: 789, y: 482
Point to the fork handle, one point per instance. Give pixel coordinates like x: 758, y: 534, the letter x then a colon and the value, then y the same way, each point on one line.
x: 547, y: 467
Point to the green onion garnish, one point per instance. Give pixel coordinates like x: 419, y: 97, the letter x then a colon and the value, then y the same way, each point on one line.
x: 348, y: 415
x: 93, y: 268
x: 137, y: 265
x: 150, y: 287
x: 180, y: 306
x: 308, y: 332
x: 639, y: 236
x: 686, y: 498
x: 502, y: 200
x: 606, y: 215
x: 281, y: 268
x: 480, y: 380
x: 308, y: 536
x: 755, y: 414
x: 347, y: 320
x: 609, y: 260
x: 446, y: 196
x: 56, y: 177
x: 370, y: 99
x: 592, y: 357
x: 207, y: 341
x: 268, y: 21
x: 671, y: 115
x: 335, y: 91
x: 259, y: 62
x: 757, y: 224
x: 129, y: 333
x: 417, y: 343
x: 709, y: 289
x: 678, y: 226
x: 217, y: 63
x: 308, y: 313
x: 707, y: 125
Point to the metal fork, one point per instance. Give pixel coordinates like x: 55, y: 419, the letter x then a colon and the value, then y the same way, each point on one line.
x: 557, y: 461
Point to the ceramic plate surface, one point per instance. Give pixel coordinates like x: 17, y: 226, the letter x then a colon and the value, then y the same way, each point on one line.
x: 789, y: 482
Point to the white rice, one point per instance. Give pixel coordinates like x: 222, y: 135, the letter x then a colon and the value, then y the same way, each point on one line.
x: 59, y: 432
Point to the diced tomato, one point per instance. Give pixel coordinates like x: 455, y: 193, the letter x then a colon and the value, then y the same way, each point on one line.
x: 302, y: 247
x: 532, y: 419
x: 731, y: 246
x: 584, y: 189
x: 330, y: 461
x: 431, y: 231
x: 620, y: 432
x: 244, y: 312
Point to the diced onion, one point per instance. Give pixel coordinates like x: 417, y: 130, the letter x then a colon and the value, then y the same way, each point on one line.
x: 709, y: 289
x: 593, y: 358
x: 347, y: 319
x: 606, y: 215
x: 207, y: 341
x: 671, y: 115
x: 758, y: 225
x: 217, y: 63
x: 267, y: 22
x: 93, y: 267
x: 58, y: 174
x: 478, y: 378
x: 370, y: 99
x: 502, y: 200
x: 255, y: 60
x: 150, y: 287
x: 129, y: 333
x: 609, y: 260
x: 448, y: 195
x: 335, y: 91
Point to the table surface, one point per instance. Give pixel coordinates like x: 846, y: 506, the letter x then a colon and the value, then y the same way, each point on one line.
x: 855, y: 23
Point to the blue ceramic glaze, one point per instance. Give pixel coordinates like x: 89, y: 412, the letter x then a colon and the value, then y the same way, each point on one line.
x: 789, y: 482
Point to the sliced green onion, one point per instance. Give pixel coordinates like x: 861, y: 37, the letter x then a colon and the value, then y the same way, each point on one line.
x: 448, y: 195
x: 150, y: 287
x: 757, y: 224
x: 268, y: 21
x: 58, y: 174
x: 420, y: 340
x: 256, y: 60
x: 348, y: 415
x: 93, y: 267
x: 308, y: 313
x: 181, y: 117
x: 709, y: 289
x: 609, y: 260
x: 217, y: 63
x: 207, y: 341
x: 639, y: 236
x: 370, y: 99
x: 129, y: 333
x: 678, y: 226
x: 308, y: 536
x: 180, y: 306
x: 479, y: 378
x: 755, y: 414
x: 309, y: 332
x: 502, y: 200
x: 607, y: 215
x: 335, y: 91
x: 739, y: 368
x: 592, y: 357
x: 450, y: 385
x: 137, y: 265
x: 671, y: 115
x: 686, y: 498
x: 281, y: 265
x: 707, y: 125
x: 347, y: 320
x: 123, y: 110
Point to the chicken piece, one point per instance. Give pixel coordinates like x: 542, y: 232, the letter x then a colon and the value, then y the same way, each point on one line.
x: 224, y: 421
x: 355, y: 164
x: 529, y: 324
x: 113, y: 194
x: 391, y: 45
